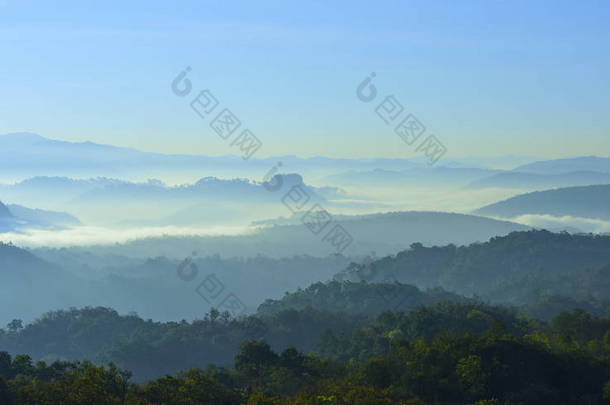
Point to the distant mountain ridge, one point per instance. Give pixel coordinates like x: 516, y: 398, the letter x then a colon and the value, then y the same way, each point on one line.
x: 88, y: 159
x: 8, y: 222
x: 515, y: 179
x: 383, y: 233
x: 13, y: 217
x: 566, y: 165
x: 4, y: 211
x: 583, y: 201
x: 60, y: 158
x: 120, y: 199
x: 43, y: 218
x: 421, y: 177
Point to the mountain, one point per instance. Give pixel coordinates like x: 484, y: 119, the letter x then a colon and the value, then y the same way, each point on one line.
x: 585, y: 202
x: 523, y: 180
x: 421, y: 177
x: 7, y: 221
x: 43, y: 218
x: 29, y: 285
x: 4, y: 211
x: 52, y: 190
x: 17, y: 263
x: 88, y: 159
x: 383, y: 234
x: 577, y: 164
x: 209, y: 201
x: 13, y: 217
x: 209, y: 188
x: 19, y: 150
x: 357, y: 298
x: 517, y: 268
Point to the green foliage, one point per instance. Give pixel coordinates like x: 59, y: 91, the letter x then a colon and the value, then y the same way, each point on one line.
x: 486, y: 356
x: 545, y: 273
x: 358, y: 298
x: 152, y: 349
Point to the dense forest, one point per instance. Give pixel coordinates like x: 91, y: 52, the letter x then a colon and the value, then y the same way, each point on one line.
x: 520, y: 319
x: 151, y: 349
x: 543, y: 272
x: 583, y: 201
x: 443, y: 354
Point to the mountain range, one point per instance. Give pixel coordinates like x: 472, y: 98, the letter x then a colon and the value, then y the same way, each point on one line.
x: 90, y: 160
x: 154, y: 203
x: 379, y: 233
x: 61, y: 158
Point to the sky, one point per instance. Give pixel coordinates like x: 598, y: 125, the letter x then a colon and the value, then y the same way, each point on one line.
x: 487, y: 78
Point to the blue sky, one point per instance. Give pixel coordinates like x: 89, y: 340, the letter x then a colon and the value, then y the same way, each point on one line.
x: 488, y: 78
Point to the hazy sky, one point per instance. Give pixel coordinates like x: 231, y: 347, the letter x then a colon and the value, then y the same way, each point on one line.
x: 486, y: 77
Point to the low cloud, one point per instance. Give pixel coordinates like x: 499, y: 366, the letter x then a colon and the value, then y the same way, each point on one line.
x: 93, y: 235
x: 551, y: 222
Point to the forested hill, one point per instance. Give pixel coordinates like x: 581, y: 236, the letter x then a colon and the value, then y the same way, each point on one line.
x: 443, y: 354
x: 151, y: 349
x: 358, y: 298
x: 28, y: 283
x: 584, y: 201
x: 485, y: 268
x: 20, y: 262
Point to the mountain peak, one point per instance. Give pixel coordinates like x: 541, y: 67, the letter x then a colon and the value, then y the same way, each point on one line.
x: 4, y: 211
x: 23, y: 137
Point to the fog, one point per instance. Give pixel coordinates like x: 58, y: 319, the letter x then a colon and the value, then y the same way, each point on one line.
x: 573, y: 224
x: 95, y: 235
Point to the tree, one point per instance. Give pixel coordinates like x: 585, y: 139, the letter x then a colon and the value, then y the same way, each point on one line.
x: 253, y: 357
x: 15, y: 325
x: 5, y: 398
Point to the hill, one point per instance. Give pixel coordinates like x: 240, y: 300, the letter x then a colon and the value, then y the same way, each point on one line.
x: 152, y: 349
x: 567, y: 165
x: 383, y: 234
x: 7, y: 221
x: 518, y: 268
x: 357, y: 298
x: 209, y: 200
x: 4, y: 211
x: 14, y: 217
x: 43, y: 218
x: 584, y: 201
x: 444, y: 354
x: 29, y: 285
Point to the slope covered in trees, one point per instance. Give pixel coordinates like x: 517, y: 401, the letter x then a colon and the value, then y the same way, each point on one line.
x: 481, y: 356
x: 519, y: 268
x: 153, y: 348
x: 28, y: 283
x: 358, y: 298
x: 584, y: 201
